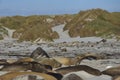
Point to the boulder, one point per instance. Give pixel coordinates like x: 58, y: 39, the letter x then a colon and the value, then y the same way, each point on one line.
x: 38, y: 53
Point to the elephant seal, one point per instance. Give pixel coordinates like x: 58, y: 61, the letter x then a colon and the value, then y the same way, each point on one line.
x: 3, y: 61
x: 72, y: 77
x: 88, y: 69
x: 116, y: 77
x: 58, y: 76
x: 73, y: 61
x: 13, y: 75
x: 114, y: 72
x: 49, y: 61
x: 33, y: 66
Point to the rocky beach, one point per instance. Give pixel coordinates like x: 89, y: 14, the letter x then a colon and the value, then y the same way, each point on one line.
x: 107, y: 49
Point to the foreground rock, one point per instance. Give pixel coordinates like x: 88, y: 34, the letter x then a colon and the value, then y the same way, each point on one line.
x: 39, y: 52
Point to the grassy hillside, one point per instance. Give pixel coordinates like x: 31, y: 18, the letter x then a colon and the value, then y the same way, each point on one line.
x: 2, y: 32
x: 95, y: 22
x: 30, y: 28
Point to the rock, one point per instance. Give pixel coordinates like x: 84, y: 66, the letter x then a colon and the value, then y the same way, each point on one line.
x: 39, y: 52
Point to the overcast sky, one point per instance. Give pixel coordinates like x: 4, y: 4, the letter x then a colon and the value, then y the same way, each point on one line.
x: 33, y: 7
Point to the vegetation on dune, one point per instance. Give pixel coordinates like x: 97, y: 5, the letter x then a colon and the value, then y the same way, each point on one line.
x: 1, y: 37
x: 30, y: 28
x: 94, y: 22
x: 100, y: 28
x: 2, y: 32
x: 12, y: 22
